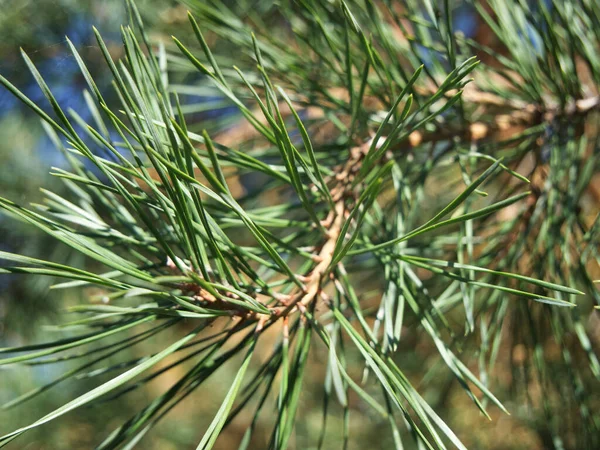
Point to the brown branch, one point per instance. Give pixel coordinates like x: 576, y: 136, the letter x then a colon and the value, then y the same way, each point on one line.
x: 342, y: 192
x: 325, y: 256
x: 528, y: 114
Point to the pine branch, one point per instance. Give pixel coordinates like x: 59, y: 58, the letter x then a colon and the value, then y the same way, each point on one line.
x: 362, y: 144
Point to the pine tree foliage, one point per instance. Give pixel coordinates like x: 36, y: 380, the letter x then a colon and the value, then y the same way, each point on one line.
x: 391, y: 177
